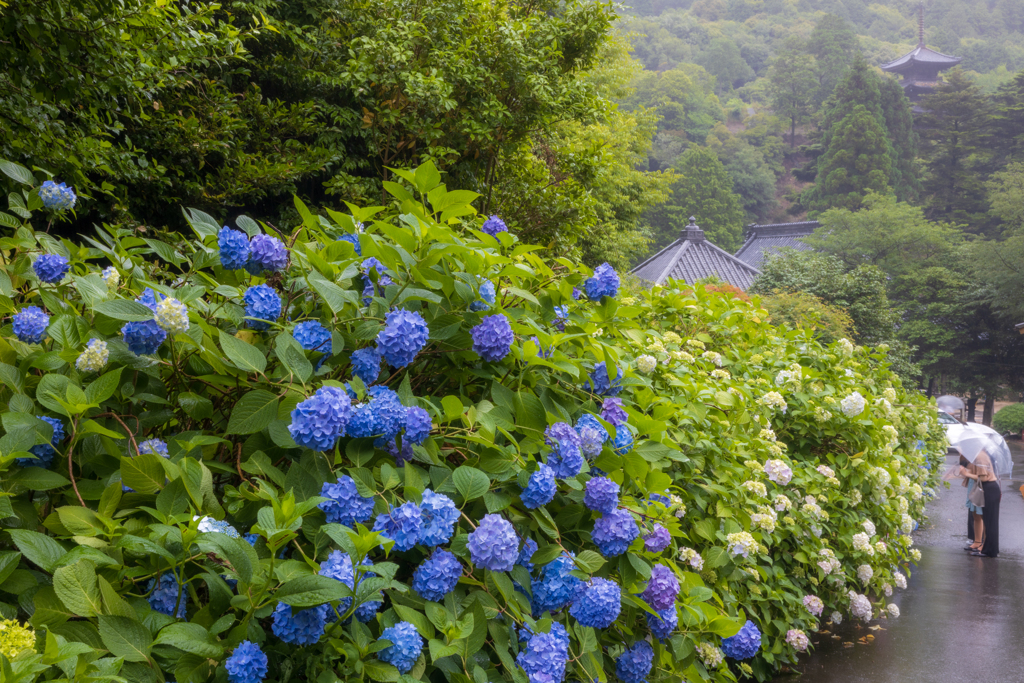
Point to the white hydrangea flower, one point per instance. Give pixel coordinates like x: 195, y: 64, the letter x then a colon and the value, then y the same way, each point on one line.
x: 777, y: 448
x: 862, y: 543
x: 672, y: 338
x: 696, y: 344
x: 830, y: 400
x: 172, y: 316
x: 814, y: 510
x: 111, y: 277
x: 915, y: 555
x: 655, y: 346
x: 765, y: 518
x: 782, y: 503
x: 845, y: 347
x: 902, y: 506
x: 891, y: 433
x: 829, y: 563
x: 864, y: 573
x: 869, y: 527
x: 710, y: 655
x: 94, y: 358
x: 894, y: 610
x: 836, y: 618
x: 887, y: 589
x: 825, y: 471
x: 713, y: 356
x: 757, y: 488
x: 902, y: 484
x: 692, y: 557
x: 773, y: 399
x: 856, y: 497
x: 900, y: 579
x: 881, y: 547
x: 682, y: 356
x: 768, y: 434
x: 906, y: 524
x: 889, y: 394
x: 916, y: 492
x: 797, y: 639
x: 921, y: 429
x: 779, y: 472
x: 822, y: 415
x: 718, y: 373
x: 677, y: 503
x: 646, y: 364
x: 786, y: 377
x: 753, y: 466
x: 881, y: 477
x: 860, y: 606
x: 848, y: 372
x: 852, y: 405
x: 741, y: 543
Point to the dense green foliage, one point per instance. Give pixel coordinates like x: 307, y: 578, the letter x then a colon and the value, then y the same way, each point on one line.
x: 728, y: 393
x: 800, y: 310
x: 1009, y: 419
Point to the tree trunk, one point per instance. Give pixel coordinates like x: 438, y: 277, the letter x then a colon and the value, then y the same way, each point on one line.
x: 792, y: 132
x: 931, y: 385
x: 972, y: 404
x: 990, y: 404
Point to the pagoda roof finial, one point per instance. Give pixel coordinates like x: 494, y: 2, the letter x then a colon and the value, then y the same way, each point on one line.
x: 920, y: 24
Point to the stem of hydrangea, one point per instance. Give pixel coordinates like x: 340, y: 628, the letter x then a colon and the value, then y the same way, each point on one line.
x: 131, y: 437
x: 71, y: 474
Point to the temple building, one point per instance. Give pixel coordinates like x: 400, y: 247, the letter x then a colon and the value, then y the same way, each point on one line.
x: 762, y: 241
x: 920, y: 68
x: 691, y: 258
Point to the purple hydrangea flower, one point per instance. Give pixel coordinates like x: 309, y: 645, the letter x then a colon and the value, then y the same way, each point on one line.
x: 744, y: 644
x: 344, y: 504
x: 488, y: 295
x: 303, y: 627
x: 602, y: 494
x: 164, y: 596
x: 313, y: 336
x: 592, y: 434
x: 561, y: 315
x: 492, y: 338
x: 404, y: 335
x: 556, y: 587
x: 664, y: 624
x: 662, y: 588
x: 44, y: 452
x: 598, y: 605
x: 247, y: 663
x: 614, y: 532
x: 320, y: 420
x: 402, y: 525
x: 493, y: 225
x: 51, y: 267
x: 529, y: 548
x: 353, y: 239
x: 657, y: 540
x: 267, y: 253
x: 30, y: 325
x: 366, y: 364
x: 566, y: 465
x: 566, y: 458
x: 576, y: 294
x: 546, y: 654
x: 661, y: 498
x: 604, y: 283
x: 493, y: 544
x: 401, y: 455
x: 383, y: 280
x: 437, y: 576
x: 623, y: 440
x: 263, y: 303
x: 612, y: 411
x: 439, y: 516
x: 234, y: 248
x: 634, y: 665
x: 541, y: 489
x: 405, y: 649
x: 601, y: 384
x: 57, y: 196
x: 417, y: 425
x: 144, y: 337
x: 338, y: 566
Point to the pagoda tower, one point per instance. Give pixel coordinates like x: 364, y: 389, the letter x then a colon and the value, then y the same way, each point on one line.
x: 921, y: 66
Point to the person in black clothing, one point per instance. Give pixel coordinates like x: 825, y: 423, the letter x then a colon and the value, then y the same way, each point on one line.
x: 984, y: 474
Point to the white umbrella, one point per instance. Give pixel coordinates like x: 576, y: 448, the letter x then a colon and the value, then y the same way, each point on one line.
x: 972, y: 443
x: 950, y: 404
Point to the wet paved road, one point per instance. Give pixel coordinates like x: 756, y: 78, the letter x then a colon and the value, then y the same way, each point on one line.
x: 962, y: 617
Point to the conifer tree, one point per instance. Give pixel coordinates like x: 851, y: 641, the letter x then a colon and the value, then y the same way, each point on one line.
x: 858, y: 158
x: 834, y: 46
x: 791, y: 85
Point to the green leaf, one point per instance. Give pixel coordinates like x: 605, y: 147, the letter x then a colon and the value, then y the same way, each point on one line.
x: 125, y: 637
x: 589, y: 561
x: 254, y: 412
x: 470, y: 482
x: 245, y: 356
x: 144, y: 473
x: 417, y: 619
x: 195, y: 406
x: 335, y: 297
x: 715, y: 557
x: 379, y: 671
x: 51, y: 391
x: 310, y: 591
x: 190, y: 638
x: 8, y: 563
x: 237, y: 551
x: 122, y: 309
x: 17, y: 172
x: 294, y: 358
x: 80, y: 521
x: 37, y: 479
x: 104, y: 386
x: 546, y: 554
x: 192, y: 668
x: 38, y: 548
x: 76, y: 587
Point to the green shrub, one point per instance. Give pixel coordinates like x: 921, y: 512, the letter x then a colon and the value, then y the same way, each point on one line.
x: 128, y: 564
x: 1009, y: 419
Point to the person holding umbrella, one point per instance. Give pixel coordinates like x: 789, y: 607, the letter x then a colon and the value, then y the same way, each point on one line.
x: 988, y: 459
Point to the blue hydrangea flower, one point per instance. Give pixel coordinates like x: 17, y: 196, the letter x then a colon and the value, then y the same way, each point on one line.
x: 546, y: 653
x: 30, y: 325
x: 44, y: 452
x: 247, y: 663
x: 210, y: 525
x: 266, y: 253
x: 541, y: 489
x: 488, y: 295
x: 383, y: 280
x: 566, y: 458
x: 601, y: 384
x: 313, y: 336
x: 561, y: 315
x: 604, y: 283
x: 417, y: 425
x: 353, y: 239
x: 662, y: 588
x: 601, y: 494
x: 149, y: 298
x: 57, y: 196
x: 388, y: 412
x: 598, y: 605
x: 404, y: 335
x: 623, y: 440
x: 612, y: 411
x: 234, y: 248
x: 556, y: 587
x: 303, y: 627
x: 51, y: 267
x: 493, y: 225
x: 634, y: 665
x: 614, y: 532
x: 403, y: 525
x: 744, y: 644
x: 154, y: 447
x: 143, y: 337
x: 262, y: 302
x: 661, y: 498
x: 592, y: 433
x: 320, y: 420
x: 401, y: 455
x: 362, y: 424
x: 252, y: 538
x: 567, y: 465
x: 576, y: 294
x: 492, y: 338
x: 542, y: 351
x: 366, y: 364
x: 439, y: 517
x: 345, y: 505
x: 437, y: 576
x: 657, y: 540
x: 405, y: 649
x: 493, y: 544
x: 164, y: 596
x: 664, y: 624
x: 529, y: 548
x: 338, y: 566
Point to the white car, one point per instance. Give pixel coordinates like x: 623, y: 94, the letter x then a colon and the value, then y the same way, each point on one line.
x: 955, y: 428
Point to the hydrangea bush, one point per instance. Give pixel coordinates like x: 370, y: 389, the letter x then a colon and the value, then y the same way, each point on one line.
x: 330, y: 463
